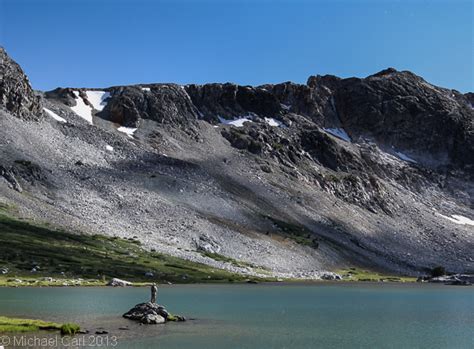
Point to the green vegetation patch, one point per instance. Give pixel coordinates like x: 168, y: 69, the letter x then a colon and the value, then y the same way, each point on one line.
x: 356, y: 274
x: 221, y: 258
x: 33, y: 254
x: 295, y: 232
x: 27, y: 325
x: 69, y: 329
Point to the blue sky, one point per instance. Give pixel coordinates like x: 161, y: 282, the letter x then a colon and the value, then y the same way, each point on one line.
x: 98, y: 43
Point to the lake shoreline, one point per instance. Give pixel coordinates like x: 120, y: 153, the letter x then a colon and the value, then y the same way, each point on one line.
x: 276, y: 315
x: 267, y: 283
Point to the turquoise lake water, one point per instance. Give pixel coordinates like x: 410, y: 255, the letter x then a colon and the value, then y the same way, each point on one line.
x: 264, y: 316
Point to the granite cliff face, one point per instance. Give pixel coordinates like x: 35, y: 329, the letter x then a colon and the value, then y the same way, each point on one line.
x: 293, y: 179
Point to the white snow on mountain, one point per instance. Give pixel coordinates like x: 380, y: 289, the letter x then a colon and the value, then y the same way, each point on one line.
x: 458, y: 219
x: 239, y: 122
x: 82, y: 109
x: 273, y: 122
x: 54, y: 115
x: 129, y: 131
x: 339, y: 133
x: 97, y: 99
x: 404, y: 157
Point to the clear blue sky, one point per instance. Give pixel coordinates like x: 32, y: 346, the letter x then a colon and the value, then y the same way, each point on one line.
x: 97, y: 43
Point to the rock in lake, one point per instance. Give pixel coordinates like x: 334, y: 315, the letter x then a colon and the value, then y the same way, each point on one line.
x: 151, y: 319
x: 151, y: 313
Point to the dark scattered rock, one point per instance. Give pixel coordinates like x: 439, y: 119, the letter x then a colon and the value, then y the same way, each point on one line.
x: 241, y: 139
x: 331, y: 276
x: 29, y: 172
x: 9, y: 176
x: 266, y: 168
x: 101, y: 332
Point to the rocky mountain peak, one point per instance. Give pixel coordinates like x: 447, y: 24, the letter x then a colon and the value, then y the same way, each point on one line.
x: 16, y: 94
x: 373, y: 170
x: 385, y: 72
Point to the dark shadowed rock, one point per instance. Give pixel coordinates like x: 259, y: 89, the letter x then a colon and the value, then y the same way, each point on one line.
x: 401, y: 109
x: 164, y: 103
x: 63, y: 95
x: 230, y: 101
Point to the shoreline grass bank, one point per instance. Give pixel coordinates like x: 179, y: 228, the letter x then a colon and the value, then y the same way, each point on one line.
x: 16, y: 325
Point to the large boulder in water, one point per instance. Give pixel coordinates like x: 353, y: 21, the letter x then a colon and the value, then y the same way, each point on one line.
x: 151, y: 313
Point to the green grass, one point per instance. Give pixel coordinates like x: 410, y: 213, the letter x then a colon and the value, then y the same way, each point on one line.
x: 356, y: 274
x: 221, y: 258
x: 27, y: 325
x: 69, y: 329
x: 66, y: 256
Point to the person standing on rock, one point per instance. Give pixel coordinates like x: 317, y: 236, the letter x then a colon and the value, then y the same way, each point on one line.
x: 154, y: 291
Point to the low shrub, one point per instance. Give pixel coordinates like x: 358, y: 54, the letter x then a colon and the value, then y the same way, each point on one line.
x: 438, y: 271
x: 69, y: 329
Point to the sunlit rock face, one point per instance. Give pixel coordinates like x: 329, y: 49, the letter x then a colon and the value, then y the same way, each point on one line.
x: 16, y: 94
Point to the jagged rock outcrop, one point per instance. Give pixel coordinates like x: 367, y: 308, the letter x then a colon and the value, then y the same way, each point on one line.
x: 231, y: 101
x: 64, y: 95
x: 394, y: 109
x: 9, y: 176
x: 16, y: 94
x: 164, y: 103
x: 402, y: 110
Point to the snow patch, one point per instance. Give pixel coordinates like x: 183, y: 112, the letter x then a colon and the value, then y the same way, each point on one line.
x: 82, y: 109
x: 339, y: 133
x: 239, y: 122
x: 285, y: 106
x: 273, y: 122
x: 404, y: 157
x: 129, y: 131
x: 97, y: 99
x: 54, y: 115
x: 146, y: 89
x: 458, y: 219
x: 109, y: 148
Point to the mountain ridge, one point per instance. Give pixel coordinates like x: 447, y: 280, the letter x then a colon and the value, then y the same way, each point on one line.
x: 292, y: 178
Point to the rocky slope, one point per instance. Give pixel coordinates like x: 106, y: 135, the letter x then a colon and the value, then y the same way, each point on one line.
x: 286, y: 179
